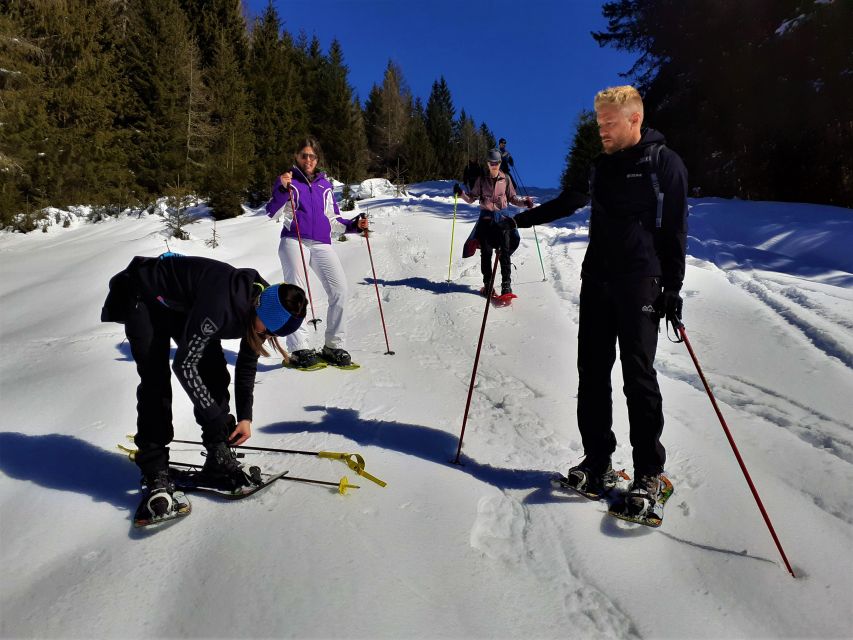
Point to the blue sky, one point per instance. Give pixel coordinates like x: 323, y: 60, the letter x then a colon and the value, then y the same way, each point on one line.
x: 525, y: 68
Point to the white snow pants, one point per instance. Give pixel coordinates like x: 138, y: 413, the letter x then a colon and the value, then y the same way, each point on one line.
x: 323, y: 261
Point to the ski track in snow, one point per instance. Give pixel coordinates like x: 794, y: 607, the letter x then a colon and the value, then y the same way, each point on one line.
x: 814, y: 328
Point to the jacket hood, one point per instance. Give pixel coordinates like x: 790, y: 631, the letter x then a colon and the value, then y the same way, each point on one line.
x: 651, y: 136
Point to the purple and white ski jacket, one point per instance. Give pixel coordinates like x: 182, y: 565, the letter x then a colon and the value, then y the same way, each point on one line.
x: 317, y: 211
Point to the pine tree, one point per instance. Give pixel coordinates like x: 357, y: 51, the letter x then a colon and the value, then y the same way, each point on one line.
x: 585, y: 147
x: 24, y: 118
x: 227, y: 172
x: 85, y: 100
x: 162, y: 66
x: 337, y: 118
x: 439, y: 125
x: 280, y: 112
x: 387, y: 116
x: 466, y: 142
x: 765, y: 120
x: 417, y: 153
x: 487, y: 138
x: 211, y: 19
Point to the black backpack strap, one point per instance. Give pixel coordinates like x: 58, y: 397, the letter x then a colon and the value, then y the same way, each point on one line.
x: 653, y: 158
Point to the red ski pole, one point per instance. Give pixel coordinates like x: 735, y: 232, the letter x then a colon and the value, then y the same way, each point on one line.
x: 313, y: 319
x: 683, y: 333
x: 488, y: 293
x: 378, y: 299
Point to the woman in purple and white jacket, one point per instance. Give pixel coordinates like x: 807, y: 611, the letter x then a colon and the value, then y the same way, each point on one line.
x: 317, y: 218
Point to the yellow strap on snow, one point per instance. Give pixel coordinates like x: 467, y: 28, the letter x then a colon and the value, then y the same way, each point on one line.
x: 354, y: 461
x: 131, y: 453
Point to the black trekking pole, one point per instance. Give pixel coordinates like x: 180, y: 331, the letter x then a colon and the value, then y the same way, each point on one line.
x: 679, y: 327
x: 488, y: 294
x: 341, y: 485
x: 535, y: 235
x: 314, y: 320
x: 378, y: 298
x: 353, y: 460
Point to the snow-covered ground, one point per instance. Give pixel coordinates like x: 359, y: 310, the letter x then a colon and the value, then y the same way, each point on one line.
x: 485, y: 549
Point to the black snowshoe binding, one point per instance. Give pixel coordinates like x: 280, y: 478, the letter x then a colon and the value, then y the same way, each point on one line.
x: 594, y: 484
x: 506, y: 288
x: 304, y: 359
x: 160, y: 501
x: 222, y: 471
x: 644, y: 501
x: 336, y: 357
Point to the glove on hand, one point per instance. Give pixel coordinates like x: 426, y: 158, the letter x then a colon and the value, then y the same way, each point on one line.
x: 669, y: 305
x: 457, y: 190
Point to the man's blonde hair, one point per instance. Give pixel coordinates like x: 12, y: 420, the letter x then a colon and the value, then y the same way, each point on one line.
x: 625, y: 96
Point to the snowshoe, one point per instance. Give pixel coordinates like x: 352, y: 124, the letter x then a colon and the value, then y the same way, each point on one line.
x: 503, y: 300
x: 193, y: 480
x: 643, y: 503
x: 483, y: 291
x: 338, y: 358
x: 305, y: 360
x: 160, y: 501
x: 590, y: 484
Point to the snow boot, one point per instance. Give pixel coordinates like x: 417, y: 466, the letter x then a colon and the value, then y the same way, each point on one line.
x: 160, y: 489
x: 506, y: 287
x: 304, y: 359
x: 645, y: 493
x: 592, y: 480
x: 222, y: 469
x: 336, y: 357
x: 485, y: 288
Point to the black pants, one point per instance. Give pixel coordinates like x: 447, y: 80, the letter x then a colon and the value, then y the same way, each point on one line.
x: 486, y: 248
x: 149, y: 329
x: 610, y: 312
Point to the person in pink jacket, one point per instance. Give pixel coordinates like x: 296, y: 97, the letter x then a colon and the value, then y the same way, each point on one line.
x: 494, y: 191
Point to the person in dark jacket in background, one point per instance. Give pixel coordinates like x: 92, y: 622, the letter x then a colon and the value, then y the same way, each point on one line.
x: 196, y: 302
x: 494, y: 192
x: 506, y: 160
x: 631, y: 277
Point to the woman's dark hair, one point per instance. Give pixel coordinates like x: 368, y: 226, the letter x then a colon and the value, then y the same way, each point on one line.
x: 293, y: 299
x: 310, y: 141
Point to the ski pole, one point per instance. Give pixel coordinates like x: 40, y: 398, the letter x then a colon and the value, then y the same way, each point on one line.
x: 535, y: 235
x: 313, y: 319
x: 378, y: 299
x: 342, y: 485
x: 353, y: 460
x: 488, y: 293
x: 680, y: 328
x: 452, y: 232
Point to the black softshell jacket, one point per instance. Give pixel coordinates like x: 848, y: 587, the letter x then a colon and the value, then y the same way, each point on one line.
x: 624, y: 240
x: 216, y: 299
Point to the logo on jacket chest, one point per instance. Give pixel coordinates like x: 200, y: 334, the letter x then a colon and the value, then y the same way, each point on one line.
x: 208, y: 327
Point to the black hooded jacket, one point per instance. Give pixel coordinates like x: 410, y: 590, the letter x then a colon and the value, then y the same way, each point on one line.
x: 217, y: 301
x: 624, y: 239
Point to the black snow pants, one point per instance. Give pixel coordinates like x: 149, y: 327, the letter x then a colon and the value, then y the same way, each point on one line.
x: 149, y: 328
x: 487, y: 240
x: 610, y: 312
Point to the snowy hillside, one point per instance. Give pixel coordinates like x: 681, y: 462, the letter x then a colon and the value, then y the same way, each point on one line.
x: 482, y: 550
